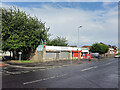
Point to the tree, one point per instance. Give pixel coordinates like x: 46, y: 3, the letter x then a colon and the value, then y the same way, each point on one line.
x: 21, y: 32
x: 109, y: 46
x: 115, y: 48
x: 59, y: 41
x: 99, y: 48
x: 0, y: 29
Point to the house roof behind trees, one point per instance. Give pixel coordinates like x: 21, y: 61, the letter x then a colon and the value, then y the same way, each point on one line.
x: 86, y: 46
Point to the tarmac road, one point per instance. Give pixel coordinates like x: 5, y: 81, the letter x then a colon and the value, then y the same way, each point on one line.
x: 100, y: 74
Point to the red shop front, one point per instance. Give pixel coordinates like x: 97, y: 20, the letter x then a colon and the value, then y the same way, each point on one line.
x: 76, y: 54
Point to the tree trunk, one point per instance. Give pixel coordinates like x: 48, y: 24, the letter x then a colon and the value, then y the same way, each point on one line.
x: 10, y: 54
x: 13, y: 54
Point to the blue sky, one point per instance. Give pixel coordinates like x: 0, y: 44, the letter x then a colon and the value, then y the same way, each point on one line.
x: 99, y: 20
x: 77, y: 5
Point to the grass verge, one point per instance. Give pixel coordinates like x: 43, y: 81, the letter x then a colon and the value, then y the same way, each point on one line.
x: 23, y: 61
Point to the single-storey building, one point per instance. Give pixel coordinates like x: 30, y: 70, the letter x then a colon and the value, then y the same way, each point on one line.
x: 51, y: 53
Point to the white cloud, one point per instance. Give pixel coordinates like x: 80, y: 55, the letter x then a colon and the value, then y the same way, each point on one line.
x: 106, y: 4
x: 60, y: 0
x: 97, y: 25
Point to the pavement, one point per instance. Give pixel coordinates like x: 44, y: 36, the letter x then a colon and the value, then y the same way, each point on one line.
x: 94, y: 74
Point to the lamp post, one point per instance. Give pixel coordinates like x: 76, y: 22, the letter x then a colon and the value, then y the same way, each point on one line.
x: 78, y: 41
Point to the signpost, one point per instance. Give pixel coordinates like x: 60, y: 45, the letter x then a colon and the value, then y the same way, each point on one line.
x: 40, y: 48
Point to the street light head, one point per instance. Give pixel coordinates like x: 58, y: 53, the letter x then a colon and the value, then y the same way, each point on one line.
x: 80, y: 26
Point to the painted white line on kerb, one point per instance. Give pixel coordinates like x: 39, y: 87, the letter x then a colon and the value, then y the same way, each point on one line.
x: 44, y: 79
x: 89, y: 68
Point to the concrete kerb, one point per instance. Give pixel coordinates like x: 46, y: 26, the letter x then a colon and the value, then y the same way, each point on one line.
x: 37, y: 65
x: 47, y: 67
x: 25, y: 67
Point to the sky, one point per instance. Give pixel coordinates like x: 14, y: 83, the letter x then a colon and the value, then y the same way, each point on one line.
x: 99, y: 20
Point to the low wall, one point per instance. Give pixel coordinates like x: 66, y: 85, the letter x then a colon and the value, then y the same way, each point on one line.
x: 38, y: 56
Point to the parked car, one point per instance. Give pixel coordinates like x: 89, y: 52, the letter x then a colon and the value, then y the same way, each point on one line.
x: 95, y: 55
x: 117, y: 56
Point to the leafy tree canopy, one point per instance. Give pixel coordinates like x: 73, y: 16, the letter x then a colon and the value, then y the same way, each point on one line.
x: 99, y: 48
x: 58, y: 41
x: 21, y: 32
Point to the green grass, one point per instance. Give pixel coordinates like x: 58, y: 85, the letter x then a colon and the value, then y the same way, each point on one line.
x: 23, y: 61
x: 26, y: 61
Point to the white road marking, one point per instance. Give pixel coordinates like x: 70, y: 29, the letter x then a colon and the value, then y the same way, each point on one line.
x: 33, y: 81
x: 65, y: 65
x: 59, y: 66
x: 34, y: 70
x: 25, y: 71
x: 44, y: 79
x: 88, y: 68
x: 16, y: 72
x: 8, y: 72
x: 52, y: 77
x: 13, y: 72
x: 49, y: 68
x: 107, y: 63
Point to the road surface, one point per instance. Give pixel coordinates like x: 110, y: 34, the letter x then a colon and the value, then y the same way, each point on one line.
x: 99, y: 74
